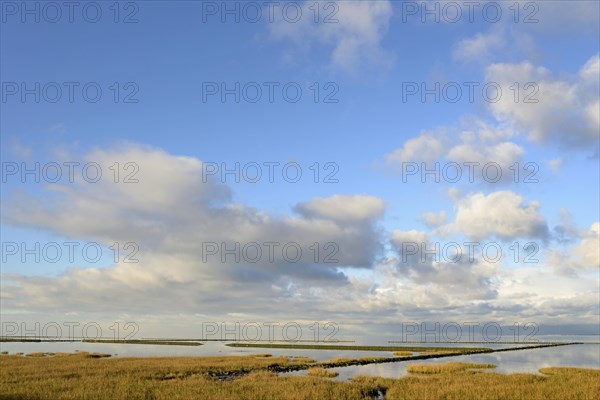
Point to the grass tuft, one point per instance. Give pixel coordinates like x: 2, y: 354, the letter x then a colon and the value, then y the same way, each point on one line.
x: 403, y: 353
x: 322, y: 372
x: 450, y: 367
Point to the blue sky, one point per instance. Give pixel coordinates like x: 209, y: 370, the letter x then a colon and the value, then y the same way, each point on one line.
x: 171, y: 51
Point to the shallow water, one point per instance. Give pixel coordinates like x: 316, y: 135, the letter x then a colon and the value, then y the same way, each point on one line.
x: 209, y: 349
x: 529, y: 361
x: 585, y: 356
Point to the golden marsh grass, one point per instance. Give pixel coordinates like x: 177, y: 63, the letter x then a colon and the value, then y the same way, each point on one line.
x: 445, y: 367
x: 78, y: 376
x: 321, y: 372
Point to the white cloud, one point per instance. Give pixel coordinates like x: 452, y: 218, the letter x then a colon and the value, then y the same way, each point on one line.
x: 413, y: 236
x: 471, y: 141
x: 588, y: 250
x: 505, y: 154
x: 343, y: 208
x: 424, y: 147
x: 560, y: 111
x: 581, y: 257
x: 433, y: 220
x: 550, y: 109
x: 354, y: 40
x: 423, y: 263
x: 479, y: 48
x: 556, y: 164
x: 501, y: 214
x: 566, y: 230
x: 170, y: 213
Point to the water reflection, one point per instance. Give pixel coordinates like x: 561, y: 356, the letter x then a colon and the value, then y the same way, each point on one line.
x: 584, y: 355
x: 530, y: 361
x: 208, y: 349
x: 125, y: 350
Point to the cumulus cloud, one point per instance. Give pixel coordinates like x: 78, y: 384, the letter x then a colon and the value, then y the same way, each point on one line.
x: 354, y: 40
x: 421, y: 287
x: 501, y: 214
x: 460, y: 292
x: 479, y: 48
x: 473, y: 140
x: 588, y: 250
x: 584, y: 256
x: 425, y: 147
x: 343, y: 208
x: 550, y: 109
x: 408, y: 244
x: 566, y: 230
x: 433, y: 220
x: 172, y: 212
x: 448, y: 271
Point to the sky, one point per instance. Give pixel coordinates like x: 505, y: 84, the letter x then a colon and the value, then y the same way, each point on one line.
x: 360, y: 165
